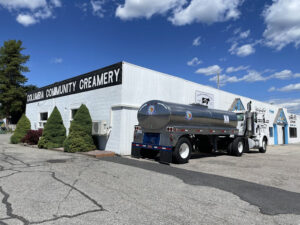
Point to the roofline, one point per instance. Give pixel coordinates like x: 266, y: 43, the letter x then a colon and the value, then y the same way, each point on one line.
x: 165, y: 74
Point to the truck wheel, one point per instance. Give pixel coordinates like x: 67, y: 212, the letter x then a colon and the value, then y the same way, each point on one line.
x: 238, y: 146
x: 263, y: 149
x: 182, y: 150
x: 229, y: 149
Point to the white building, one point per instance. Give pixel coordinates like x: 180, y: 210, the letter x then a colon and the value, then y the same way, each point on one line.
x: 115, y: 93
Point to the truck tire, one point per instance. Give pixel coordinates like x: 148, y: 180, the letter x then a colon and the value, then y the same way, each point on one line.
x: 182, y: 151
x: 229, y: 149
x: 263, y: 149
x: 238, y: 146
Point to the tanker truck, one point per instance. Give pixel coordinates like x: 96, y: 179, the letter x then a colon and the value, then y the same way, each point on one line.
x: 176, y: 130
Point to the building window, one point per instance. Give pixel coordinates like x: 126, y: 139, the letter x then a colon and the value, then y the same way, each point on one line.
x: 43, y: 119
x: 293, y: 132
x: 271, y: 131
x: 73, y: 112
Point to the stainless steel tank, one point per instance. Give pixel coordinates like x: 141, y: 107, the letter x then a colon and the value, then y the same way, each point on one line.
x: 156, y: 114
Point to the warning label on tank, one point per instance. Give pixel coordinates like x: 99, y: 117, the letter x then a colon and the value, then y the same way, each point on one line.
x: 226, y: 119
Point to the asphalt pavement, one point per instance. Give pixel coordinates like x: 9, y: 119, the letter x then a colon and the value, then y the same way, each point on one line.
x: 46, y: 187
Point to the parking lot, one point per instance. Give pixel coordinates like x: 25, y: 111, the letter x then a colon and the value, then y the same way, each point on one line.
x: 47, y: 187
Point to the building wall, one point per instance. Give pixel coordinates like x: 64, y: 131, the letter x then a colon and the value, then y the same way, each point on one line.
x: 142, y: 84
x: 118, y: 105
x: 99, y: 103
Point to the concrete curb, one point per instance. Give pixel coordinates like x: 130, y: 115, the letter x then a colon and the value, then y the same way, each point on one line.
x: 94, y: 154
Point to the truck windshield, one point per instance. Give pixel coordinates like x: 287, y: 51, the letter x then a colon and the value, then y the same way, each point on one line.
x: 240, y: 117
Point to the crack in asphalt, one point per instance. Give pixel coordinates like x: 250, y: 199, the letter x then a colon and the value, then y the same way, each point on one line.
x: 81, y: 192
x: 9, y: 208
x: 67, y: 216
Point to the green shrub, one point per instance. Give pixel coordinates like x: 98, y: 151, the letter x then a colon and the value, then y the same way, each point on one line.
x: 80, y: 135
x: 54, y: 132
x: 23, y: 126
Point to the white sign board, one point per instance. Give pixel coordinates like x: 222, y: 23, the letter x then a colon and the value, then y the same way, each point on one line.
x: 204, y: 98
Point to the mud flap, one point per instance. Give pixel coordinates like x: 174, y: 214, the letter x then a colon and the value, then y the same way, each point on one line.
x: 165, y: 156
x: 135, y: 152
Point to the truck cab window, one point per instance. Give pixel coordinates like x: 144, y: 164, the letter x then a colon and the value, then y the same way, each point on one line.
x: 240, y: 117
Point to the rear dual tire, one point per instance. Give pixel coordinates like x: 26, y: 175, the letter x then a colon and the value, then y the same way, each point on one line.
x: 182, y: 151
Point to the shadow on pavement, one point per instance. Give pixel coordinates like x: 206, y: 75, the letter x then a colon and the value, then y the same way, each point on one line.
x: 270, y: 200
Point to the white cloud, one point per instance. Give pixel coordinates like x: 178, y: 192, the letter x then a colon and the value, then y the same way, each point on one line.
x: 223, y: 79
x: 31, y: 11
x: 56, y: 3
x: 297, y: 75
x: 284, y: 74
x: 209, y: 70
x: 253, y: 76
x: 204, y: 11
x: 57, y: 60
x: 97, y: 7
x: 181, y: 12
x: 26, y: 19
x: 23, y: 4
x: 146, y: 8
x: 244, y: 34
x: 290, y: 87
x: 194, y: 62
x: 197, y: 41
x: 272, y: 89
x: 242, y: 51
x: 283, y: 23
x: 292, y: 105
x: 236, y: 69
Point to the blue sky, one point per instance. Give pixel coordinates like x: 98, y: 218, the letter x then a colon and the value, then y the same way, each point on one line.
x: 252, y: 44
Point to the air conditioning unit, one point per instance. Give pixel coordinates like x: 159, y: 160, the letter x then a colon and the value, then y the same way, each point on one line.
x: 100, y: 128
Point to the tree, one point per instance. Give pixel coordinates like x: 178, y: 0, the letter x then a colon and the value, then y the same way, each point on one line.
x: 23, y: 126
x: 54, y: 132
x: 80, y: 135
x: 12, y: 80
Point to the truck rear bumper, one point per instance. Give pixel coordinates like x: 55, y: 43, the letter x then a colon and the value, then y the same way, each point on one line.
x: 165, y: 152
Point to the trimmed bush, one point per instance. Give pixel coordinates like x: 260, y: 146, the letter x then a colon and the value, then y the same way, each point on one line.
x: 54, y: 132
x: 23, y: 126
x: 32, y: 137
x: 80, y: 135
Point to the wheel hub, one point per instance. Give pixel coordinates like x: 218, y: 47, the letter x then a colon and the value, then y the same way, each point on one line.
x: 240, y: 147
x: 184, y: 150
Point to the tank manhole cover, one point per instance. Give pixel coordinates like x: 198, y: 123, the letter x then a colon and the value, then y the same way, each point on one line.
x: 56, y: 161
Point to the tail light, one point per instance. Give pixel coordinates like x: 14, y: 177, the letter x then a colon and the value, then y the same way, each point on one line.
x: 136, y: 128
x: 170, y: 129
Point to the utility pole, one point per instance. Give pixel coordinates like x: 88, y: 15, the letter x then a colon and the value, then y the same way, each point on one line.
x: 218, y: 80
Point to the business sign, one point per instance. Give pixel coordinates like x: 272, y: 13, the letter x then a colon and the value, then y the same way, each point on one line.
x: 105, y: 77
x: 204, y: 98
x: 293, y: 120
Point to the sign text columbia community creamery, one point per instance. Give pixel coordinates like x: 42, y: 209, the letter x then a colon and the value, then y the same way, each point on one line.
x: 106, y: 77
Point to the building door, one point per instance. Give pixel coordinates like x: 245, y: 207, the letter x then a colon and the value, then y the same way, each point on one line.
x: 283, y: 135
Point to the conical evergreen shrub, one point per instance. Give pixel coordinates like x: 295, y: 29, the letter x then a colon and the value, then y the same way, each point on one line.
x: 54, y: 132
x: 80, y: 135
x: 23, y: 126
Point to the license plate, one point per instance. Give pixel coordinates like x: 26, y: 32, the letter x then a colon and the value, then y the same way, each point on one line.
x: 149, y: 146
